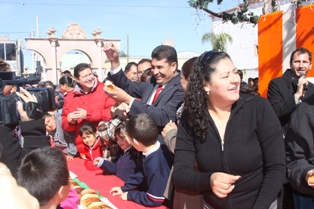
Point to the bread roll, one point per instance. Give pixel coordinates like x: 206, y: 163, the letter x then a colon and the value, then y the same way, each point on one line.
x: 88, y: 191
x: 87, y: 199
x: 109, y: 86
x: 310, y: 180
x: 98, y: 205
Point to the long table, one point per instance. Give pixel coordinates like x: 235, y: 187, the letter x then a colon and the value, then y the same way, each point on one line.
x: 103, y: 184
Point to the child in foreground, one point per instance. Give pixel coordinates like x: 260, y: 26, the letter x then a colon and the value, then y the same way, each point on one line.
x: 92, y: 146
x: 155, y: 171
x: 45, y: 175
x: 127, y: 157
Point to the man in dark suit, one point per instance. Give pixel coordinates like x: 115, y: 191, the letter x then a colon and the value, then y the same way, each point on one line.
x: 286, y: 92
x: 160, y: 96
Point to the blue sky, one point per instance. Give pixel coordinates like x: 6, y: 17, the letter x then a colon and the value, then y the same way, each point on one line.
x: 147, y: 23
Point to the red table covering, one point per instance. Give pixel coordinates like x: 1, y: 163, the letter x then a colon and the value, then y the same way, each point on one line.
x: 103, y: 184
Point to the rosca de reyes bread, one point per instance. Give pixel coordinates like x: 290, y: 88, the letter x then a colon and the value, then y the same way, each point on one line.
x: 109, y: 86
x: 88, y: 191
x: 88, y: 199
x: 98, y: 205
x: 92, y: 201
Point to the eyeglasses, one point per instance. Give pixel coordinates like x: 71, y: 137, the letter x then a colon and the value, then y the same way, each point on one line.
x: 205, y: 56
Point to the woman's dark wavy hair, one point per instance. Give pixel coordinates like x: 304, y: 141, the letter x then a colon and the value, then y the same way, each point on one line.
x: 196, y: 103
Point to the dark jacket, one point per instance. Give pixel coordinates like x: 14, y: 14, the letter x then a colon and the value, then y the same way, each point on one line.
x: 300, y: 147
x: 253, y: 148
x: 124, y: 164
x: 153, y: 179
x: 34, y: 133
x: 281, y: 96
x: 164, y: 109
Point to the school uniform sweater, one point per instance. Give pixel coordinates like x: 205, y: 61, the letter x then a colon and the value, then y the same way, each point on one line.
x: 152, y: 178
x: 253, y: 147
x: 124, y: 165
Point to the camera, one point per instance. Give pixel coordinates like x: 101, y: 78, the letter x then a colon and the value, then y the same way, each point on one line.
x: 9, y: 114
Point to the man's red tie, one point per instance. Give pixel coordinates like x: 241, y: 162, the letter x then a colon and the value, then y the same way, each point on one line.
x: 158, y: 90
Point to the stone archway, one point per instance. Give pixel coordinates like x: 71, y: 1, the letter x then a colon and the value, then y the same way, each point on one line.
x: 74, y: 38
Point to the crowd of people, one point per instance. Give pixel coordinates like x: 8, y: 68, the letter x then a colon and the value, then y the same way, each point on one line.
x: 196, y: 137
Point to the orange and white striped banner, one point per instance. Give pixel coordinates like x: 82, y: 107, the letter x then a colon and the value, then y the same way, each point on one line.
x: 279, y: 34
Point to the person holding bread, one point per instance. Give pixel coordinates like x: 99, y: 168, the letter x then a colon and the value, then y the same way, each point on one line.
x: 160, y: 96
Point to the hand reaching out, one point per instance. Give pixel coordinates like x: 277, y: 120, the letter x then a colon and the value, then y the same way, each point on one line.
x: 96, y: 161
x: 116, y: 191
x: 169, y: 42
x: 112, y: 54
x: 119, y: 95
x: 169, y: 126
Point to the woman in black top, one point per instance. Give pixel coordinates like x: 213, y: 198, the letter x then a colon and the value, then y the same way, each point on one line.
x: 236, y: 140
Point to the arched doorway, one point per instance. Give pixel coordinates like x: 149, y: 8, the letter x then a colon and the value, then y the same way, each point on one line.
x: 53, y: 49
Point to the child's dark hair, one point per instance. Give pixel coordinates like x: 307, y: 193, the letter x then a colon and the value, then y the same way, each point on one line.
x: 43, y: 172
x: 120, y: 129
x: 143, y: 128
x: 67, y: 80
x: 47, y: 115
x: 88, y: 128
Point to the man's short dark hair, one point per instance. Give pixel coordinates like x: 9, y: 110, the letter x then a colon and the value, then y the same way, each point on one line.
x: 66, y: 72
x: 301, y: 51
x: 144, y: 60
x: 80, y: 67
x: 43, y: 172
x: 143, y: 128
x: 165, y: 52
x: 128, y: 67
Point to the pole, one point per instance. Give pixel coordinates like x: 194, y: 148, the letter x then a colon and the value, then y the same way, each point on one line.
x: 37, y: 27
x: 127, y: 48
x: 33, y: 53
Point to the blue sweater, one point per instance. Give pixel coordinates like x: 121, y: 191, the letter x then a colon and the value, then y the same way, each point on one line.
x: 124, y: 164
x: 152, y: 178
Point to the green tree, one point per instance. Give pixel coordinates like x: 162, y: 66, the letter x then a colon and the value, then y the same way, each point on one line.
x: 122, y: 54
x: 218, y: 41
x: 243, y: 15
